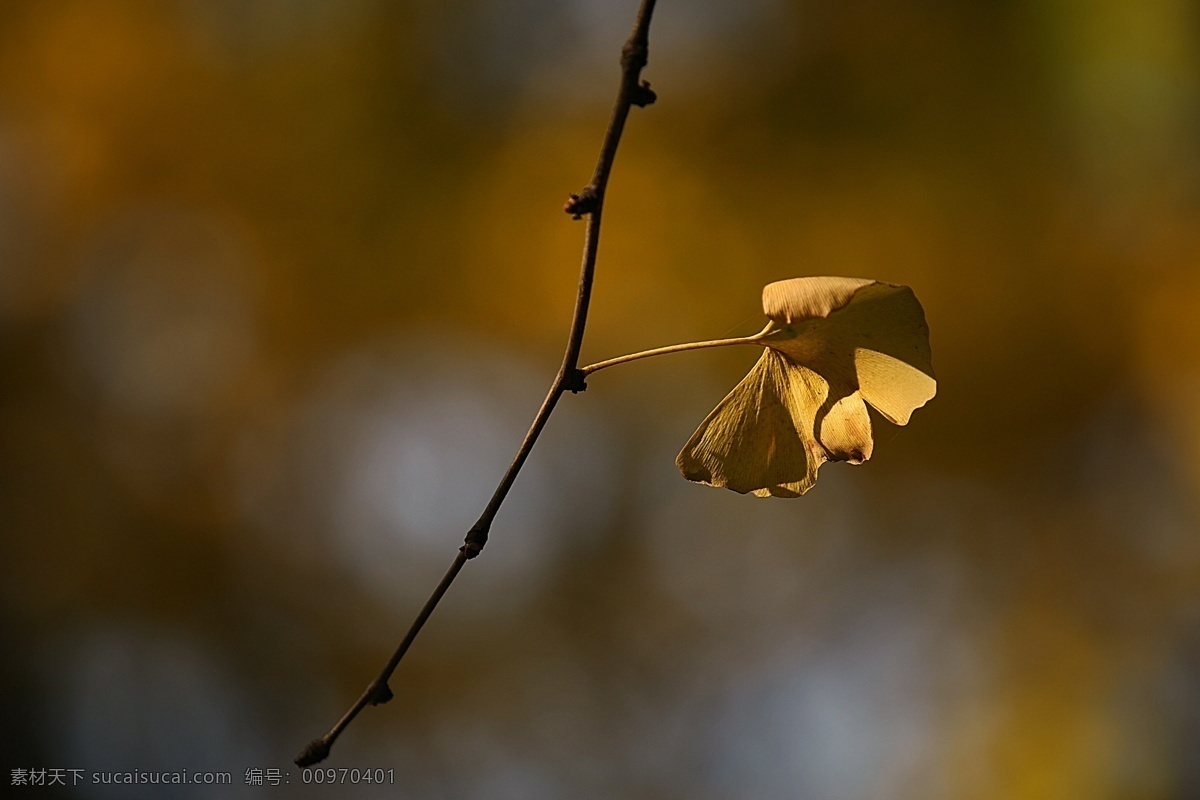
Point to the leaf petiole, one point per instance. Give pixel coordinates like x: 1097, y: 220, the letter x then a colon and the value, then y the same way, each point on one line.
x: 676, y: 348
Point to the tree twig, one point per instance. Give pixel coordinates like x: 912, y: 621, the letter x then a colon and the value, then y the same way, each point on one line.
x: 588, y: 202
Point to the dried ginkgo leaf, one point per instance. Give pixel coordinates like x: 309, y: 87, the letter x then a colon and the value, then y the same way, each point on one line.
x: 832, y: 344
x: 749, y: 442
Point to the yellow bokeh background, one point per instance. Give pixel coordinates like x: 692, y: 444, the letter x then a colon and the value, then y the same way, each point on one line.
x: 281, y: 285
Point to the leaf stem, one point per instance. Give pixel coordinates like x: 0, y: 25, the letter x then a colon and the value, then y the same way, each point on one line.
x: 674, y: 348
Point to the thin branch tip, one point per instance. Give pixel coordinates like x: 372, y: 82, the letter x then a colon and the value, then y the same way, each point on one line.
x: 316, y: 752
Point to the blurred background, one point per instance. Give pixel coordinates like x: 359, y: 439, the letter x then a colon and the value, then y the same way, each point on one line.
x: 283, y: 283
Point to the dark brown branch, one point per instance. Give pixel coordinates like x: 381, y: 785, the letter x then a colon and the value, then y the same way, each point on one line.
x: 589, y: 202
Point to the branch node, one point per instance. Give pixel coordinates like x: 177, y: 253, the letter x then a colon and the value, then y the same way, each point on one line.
x: 587, y: 201
x: 642, y: 95
x: 635, y: 54
x: 317, y: 751
x: 379, y: 693
x: 476, y: 538
x: 575, y: 381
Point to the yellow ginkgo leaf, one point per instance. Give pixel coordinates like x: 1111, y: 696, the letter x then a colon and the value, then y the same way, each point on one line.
x: 834, y: 345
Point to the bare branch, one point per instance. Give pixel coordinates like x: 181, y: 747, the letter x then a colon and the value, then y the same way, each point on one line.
x: 588, y: 202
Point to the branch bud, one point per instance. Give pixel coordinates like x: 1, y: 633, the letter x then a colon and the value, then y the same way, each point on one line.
x: 379, y: 693
x: 642, y: 95
x: 585, y: 202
